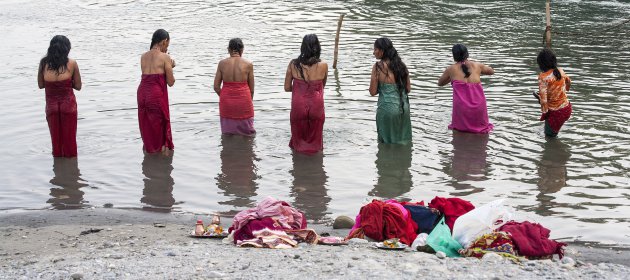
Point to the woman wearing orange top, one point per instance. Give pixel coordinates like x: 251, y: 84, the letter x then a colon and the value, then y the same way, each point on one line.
x: 59, y: 74
x: 553, y: 85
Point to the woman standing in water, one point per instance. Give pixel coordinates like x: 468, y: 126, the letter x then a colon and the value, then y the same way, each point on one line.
x: 470, y: 113
x: 235, y: 97
x: 390, y: 80
x: 153, y: 113
x: 553, y: 85
x: 59, y: 74
x: 305, y: 78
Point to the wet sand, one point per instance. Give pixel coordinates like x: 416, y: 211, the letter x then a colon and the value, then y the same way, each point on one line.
x: 49, y: 244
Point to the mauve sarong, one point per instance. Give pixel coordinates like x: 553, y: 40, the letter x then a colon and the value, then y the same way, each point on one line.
x: 61, y: 114
x: 307, y: 116
x: 236, y: 109
x: 470, y: 113
x: 153, y: 113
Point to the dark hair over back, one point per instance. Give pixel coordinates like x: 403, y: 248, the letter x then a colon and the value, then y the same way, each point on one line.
x: 547, y: 60
x: 56, y: 58
x: 236, y: 45
x: 309, y: 53
x: 460, y: 54
x: 159, y: 36
x: 390, y: 54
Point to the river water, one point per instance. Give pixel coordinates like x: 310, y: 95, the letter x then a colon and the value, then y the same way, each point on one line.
x: 577, y: 185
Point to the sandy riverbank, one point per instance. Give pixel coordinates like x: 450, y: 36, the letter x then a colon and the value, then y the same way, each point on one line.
x: 48, y: 245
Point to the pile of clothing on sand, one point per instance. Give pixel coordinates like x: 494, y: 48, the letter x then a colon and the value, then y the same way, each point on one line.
x: 450, y: 225
x: 455, y: 227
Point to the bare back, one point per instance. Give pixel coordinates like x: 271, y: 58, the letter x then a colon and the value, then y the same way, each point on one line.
x: 455, y: 73
x: 72, y: 72
x: 156, y: 62
x: 315, y: 72
x: 235, y: 69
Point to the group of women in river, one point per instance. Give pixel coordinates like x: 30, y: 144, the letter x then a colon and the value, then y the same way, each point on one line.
x: 305, y: 78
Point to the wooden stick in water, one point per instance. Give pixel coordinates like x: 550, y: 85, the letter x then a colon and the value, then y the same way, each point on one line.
x: 548, y: 28
x: 337, y: 40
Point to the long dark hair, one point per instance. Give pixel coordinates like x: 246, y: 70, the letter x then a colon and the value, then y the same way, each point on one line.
x: 56, y: 58
x: 460, y: 54
x: 159, y: 36
x: 236, y: 45
x: 401, y: 73
x: 547, y: 60
x: 309, y: 53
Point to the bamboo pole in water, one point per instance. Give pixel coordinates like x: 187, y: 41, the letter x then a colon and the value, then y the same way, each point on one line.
x: 337, y: 40
x: 548, y: 28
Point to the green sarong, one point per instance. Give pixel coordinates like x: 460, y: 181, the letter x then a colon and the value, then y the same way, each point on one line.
x: 393, y: 121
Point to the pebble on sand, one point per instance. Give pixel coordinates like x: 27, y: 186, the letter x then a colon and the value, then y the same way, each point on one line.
x: 343, y: 222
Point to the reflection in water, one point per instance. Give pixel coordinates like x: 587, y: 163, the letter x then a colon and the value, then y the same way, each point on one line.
x: 238, y: 170
x: 158, y: 183
x: 309, y: 185
x: 468, y: 162
x: 392, y: 165
x: 68, y: 179
x: 552, y: 173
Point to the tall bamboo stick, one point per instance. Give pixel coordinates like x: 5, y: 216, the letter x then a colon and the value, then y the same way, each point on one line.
x: 548, y: 28
x: 337, y: 40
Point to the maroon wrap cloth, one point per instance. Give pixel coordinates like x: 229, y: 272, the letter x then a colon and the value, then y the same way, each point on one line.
x: 381, y: 221
x: 307, y: 116
x: 61, y: 114
x: 247, y: 231
x: 556, y: 118
x: 532, y: 240
x: 153, y: 114
x: 452, y: 208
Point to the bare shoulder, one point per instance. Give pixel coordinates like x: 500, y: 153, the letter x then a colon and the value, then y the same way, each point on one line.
x: 562, y: 71
x: 247, y: 62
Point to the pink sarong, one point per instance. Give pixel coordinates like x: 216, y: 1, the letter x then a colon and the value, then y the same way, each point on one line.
x: 470, y: 113
x: 307, y: 116
x: 153, y: 113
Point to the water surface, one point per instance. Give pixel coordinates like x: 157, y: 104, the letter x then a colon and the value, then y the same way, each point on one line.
x: 577, y: 185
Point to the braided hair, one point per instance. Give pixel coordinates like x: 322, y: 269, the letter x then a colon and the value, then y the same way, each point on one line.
x: 460, y: 54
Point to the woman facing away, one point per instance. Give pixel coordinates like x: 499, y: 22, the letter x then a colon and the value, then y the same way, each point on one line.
x: 390, y: 80
x: 235, y: 97
x: 153, y: 113
x: 59, y: 74
x: 553, y: 85
x: 470, y: 113
x: 305, y: 78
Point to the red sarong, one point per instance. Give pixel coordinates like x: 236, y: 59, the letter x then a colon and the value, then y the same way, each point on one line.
x: 61, y: 114
x: 556, y: 118
x: 381, y: 221
x: 235, y: 101
x: 153, y: 114
x: 307, y: 116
